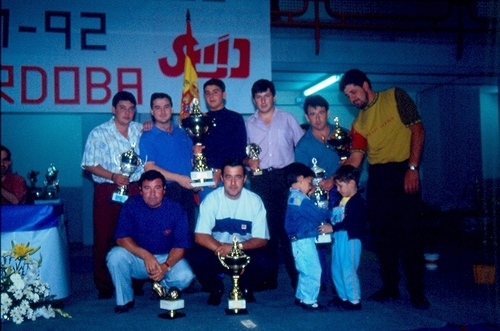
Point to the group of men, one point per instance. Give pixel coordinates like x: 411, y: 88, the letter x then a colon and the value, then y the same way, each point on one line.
x: 159, y: 233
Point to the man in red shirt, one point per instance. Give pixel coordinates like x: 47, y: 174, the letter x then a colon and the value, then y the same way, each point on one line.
x: 13, y: 186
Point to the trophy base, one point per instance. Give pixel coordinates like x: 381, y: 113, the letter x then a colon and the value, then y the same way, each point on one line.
x: 170, y: 315
x: 119, y: 198
x: 236, y: 311
x: 171, y: 306
x: 257, y: 172
x: 323, y: 239
x: 202, y: 178
x: 237, y: 307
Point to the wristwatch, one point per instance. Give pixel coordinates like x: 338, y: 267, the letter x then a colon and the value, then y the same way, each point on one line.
x: 413, y: 167
x: 240, y: 246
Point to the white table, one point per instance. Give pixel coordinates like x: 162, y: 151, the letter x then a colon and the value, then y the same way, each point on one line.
x: 41, y: 225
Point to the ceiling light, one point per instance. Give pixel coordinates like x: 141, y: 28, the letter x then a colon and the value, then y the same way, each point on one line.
x: 321, y: 85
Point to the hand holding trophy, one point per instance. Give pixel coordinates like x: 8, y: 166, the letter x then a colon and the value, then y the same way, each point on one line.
x: 128, y: 162
x: 253, y: 150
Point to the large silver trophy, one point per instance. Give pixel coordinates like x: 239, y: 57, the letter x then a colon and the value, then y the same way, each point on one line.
x: 340, y: 139
x: 197, y: 125
x: 235, y: 261
x: 169, y: 300
x: 253, y: 150
x: 51, y: 183
x: 127, y: 162
x: 319, y: 197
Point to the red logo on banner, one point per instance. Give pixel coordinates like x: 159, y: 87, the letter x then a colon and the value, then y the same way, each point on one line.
x: 216, y: 53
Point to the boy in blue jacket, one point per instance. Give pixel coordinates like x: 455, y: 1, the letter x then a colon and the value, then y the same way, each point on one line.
x: 348, y: 224
x: 301, y: 224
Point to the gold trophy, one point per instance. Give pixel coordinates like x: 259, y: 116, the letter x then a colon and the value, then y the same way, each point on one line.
x: 235, y: 261
x: 340, y: 139
x: 128, y: 162
x: 169, y: 300
x: 197, y: 125
x: 253, y: 150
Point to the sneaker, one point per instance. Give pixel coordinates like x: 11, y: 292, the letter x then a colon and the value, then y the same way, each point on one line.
x: 311, y: 307
x: 419, y: 301
x: 347, y: 305
x: 384, y: 295
x: 215, y: 297
x: 336, y: 302
x: 124, y: 308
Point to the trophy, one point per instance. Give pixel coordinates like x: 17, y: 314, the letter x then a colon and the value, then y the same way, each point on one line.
x: 235, y: 261
x: 169, y: 300
x: 340, y: 139
x: 197, y: 125
x: 127, y: 162
x: 320, y: 198
x: 51, y: 183
x: 34, y: 192
x: 253, y: 150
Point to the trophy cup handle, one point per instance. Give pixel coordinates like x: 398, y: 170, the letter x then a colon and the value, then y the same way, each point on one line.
x: 221, y: 259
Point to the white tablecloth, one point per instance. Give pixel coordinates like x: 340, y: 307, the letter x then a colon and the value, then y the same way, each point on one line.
x: 41, y: 225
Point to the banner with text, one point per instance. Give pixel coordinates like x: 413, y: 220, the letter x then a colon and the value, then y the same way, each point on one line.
x: 65, y: 56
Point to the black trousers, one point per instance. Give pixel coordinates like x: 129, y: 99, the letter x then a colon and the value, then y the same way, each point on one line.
x: 185, y: 198
x: 272, y: 189
x: 394, y: 218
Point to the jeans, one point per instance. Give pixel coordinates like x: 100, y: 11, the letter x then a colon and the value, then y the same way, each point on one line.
x: 345, y: 262
x: 309, y: 268
x: 124, y: 265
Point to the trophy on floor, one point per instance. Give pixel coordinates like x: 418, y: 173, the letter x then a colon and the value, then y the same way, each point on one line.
x: 340, y: 139
x: 169, y: 300
x: 127, y: 162
x: 51, y: 183
x: 253, y: 150
x: 235, y: 261
x: 197, y: 125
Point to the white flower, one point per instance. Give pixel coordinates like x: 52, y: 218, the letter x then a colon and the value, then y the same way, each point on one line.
x: 18, y: 319
x: 6, y: 300
x: 46, y: 312
x: 17, y: 281
x: 21, y: 286
x: 18, y: 294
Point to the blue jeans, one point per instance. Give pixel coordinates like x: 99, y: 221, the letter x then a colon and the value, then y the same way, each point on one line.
x: 345, y: 262
x: 124, y: 265
x: 307, y: 263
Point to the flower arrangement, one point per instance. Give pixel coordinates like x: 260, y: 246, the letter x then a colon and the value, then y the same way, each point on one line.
x: 23, y: 295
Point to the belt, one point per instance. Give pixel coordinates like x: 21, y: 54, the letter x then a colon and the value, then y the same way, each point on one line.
x: 271, y: 169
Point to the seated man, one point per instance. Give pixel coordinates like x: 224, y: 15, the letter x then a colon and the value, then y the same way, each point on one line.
x: 13, y: 186
x: 152, y: 235
x: 230, y: 211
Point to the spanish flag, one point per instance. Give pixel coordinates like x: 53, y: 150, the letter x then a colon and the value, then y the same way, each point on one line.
x: 190, y: 87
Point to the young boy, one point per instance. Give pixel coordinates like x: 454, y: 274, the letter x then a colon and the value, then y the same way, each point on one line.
x: 348, y: 227
x: 301, y: 224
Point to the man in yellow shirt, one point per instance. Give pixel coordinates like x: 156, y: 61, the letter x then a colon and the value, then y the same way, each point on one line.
x: 389, y: 130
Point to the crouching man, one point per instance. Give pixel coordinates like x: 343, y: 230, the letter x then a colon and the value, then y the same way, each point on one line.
x: 152, y: 236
